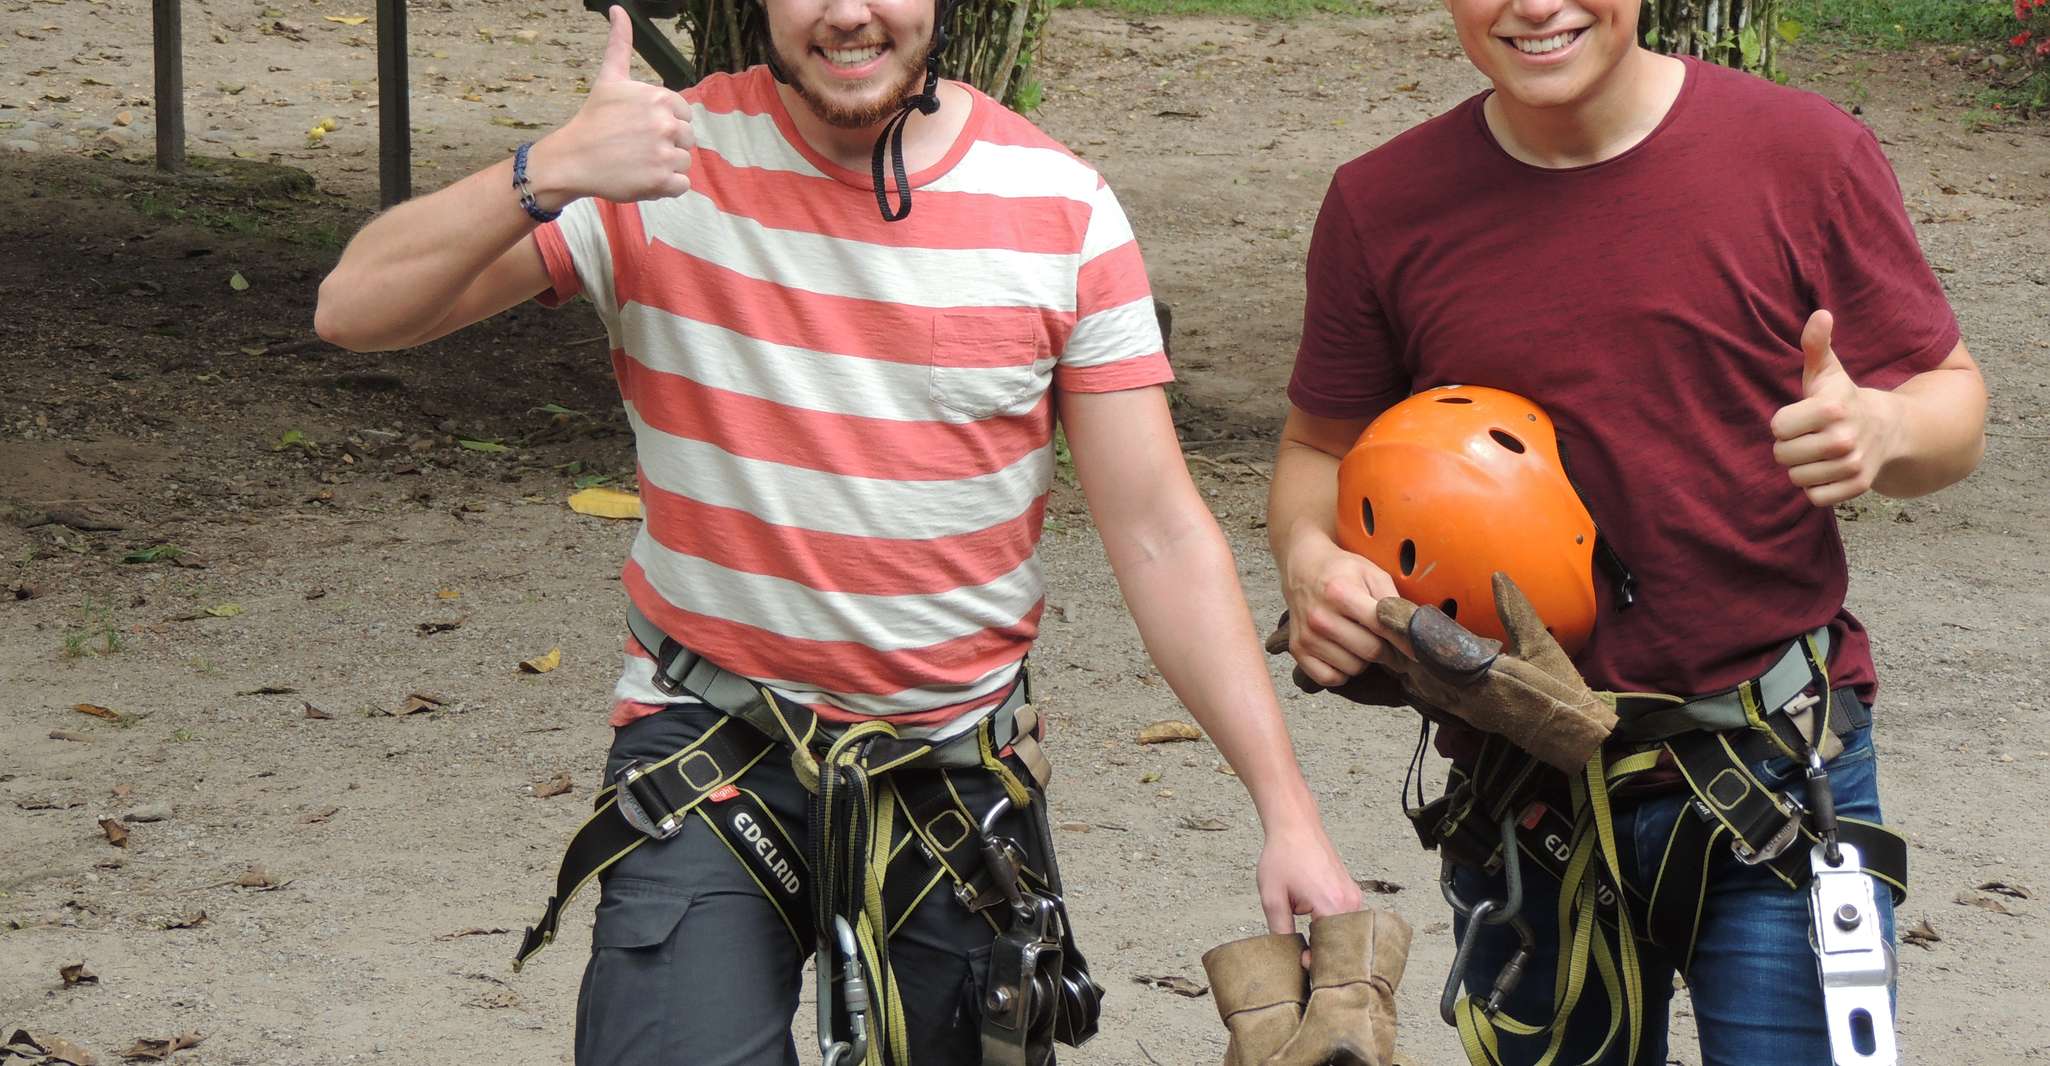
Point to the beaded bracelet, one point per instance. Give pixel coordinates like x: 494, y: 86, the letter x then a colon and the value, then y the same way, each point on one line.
x: 533, y: 207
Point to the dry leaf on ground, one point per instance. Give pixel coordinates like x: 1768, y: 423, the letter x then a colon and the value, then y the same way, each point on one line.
x: 117, y: 834
x: 77, y: 974
x: 554, y: 786
x: 1206, y: 825
x: 315, y: 712
x: 1983, y: 902
x: 601, y: 502
x: 184, y: 921
x: 66, y: 734
x: 472, y: 931
x: 541, y: 664
x: 257, y: 878
x: 2005, y: 889
x: 1376, y: 885
x: 1922, y: 935
x: 151, y: 1049
x: 97, y: 711
x: 1176, y: 983
x: 321, y: 815
x: 1169, y: 731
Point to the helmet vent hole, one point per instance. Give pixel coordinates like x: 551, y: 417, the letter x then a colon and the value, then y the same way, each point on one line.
x: 1367, y: 515
x: 1454, y: 399
x: 1408, y: 559
x: 1506, y: 441
x: 1450, y: 607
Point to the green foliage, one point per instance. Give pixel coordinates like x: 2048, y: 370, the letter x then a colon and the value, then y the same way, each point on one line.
x: 97, y: 633
x: 1900, y: 23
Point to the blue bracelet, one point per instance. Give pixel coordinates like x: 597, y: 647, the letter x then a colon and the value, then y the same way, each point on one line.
x: 533, y: 207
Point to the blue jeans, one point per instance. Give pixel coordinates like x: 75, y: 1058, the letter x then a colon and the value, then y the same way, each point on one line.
x: 1756, y: 994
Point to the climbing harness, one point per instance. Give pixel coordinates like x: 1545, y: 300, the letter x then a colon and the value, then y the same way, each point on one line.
x: 1506, y: 813
x: 887, y: 827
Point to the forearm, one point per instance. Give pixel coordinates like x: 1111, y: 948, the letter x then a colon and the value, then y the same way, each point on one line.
x: 1940, y: 431
x: 1181, y: 586
x: 403, y: 271
x: 1302, y: 500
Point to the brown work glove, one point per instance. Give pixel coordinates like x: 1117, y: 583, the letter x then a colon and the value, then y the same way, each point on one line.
x: 1259, y: 986
x: 1356, y: 960
x: 1374, y: 686
x: 1527, y: 690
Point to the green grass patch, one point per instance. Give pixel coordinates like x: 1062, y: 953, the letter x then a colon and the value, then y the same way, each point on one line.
x: 1257, y: 9
x: 1900, y: 23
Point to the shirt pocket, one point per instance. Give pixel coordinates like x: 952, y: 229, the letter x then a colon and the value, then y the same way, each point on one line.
x: 989, y: 362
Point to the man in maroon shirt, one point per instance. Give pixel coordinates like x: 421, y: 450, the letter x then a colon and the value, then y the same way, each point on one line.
x: 1709, y: 282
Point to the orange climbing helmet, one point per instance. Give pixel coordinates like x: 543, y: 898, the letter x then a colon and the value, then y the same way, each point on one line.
x: 1455, y: 483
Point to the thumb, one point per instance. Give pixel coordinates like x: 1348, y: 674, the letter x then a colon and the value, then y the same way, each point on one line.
x: 1817, y: 356
x: 619, y: 47
x: 1280, y: 912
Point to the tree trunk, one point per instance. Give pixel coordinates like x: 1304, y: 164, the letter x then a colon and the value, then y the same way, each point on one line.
x: 1745, y: 34
x: 992, y: 46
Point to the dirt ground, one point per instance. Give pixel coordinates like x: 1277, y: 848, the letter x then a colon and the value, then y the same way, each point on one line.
x: 339, y: 546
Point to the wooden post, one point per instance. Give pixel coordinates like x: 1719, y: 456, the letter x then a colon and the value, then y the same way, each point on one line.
x: 169, y: 39
x: 394, y: 111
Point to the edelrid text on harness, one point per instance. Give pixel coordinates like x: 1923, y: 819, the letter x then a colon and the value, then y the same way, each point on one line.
x: 887, y: 828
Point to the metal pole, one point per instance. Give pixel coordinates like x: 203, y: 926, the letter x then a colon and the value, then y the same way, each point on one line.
x: 394, y: 117
x: 169, y: 38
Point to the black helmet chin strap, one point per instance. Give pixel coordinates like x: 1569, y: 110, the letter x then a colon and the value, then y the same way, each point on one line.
x: 891, y: 143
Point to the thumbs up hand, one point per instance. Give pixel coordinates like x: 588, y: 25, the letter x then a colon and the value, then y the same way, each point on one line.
x: 630, y: 141
x: 1837, y: 437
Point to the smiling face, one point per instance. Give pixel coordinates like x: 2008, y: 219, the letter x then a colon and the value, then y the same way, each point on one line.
x: 1546, y: 53
x: 852, y: 62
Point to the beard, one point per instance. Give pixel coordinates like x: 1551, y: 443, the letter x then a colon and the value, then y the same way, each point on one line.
x: 903, y: 80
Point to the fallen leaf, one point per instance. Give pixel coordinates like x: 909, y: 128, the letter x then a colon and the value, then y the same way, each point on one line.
x: 47, y: 803
x: 237, y: 282
x: 315, y: 712
x: 446, y: 594
x: 1172, y: 982
x: 151, y: 1049
x: 62, y: 1050
x: 599, y: 501
x: 541, y: 664
x: 489, y: 447
x: 223, y: 610
x: 1983, y: 902
x: 1149, y: 777
x: 23, y: 1045
x: 428, y: 629
x: 152, y: 554
x: 1205, y: 825
x: 1169, y: 731
x: 1074, y: 827
x: 417, y: 702
x: 122, y: 792
x: 76, y: 974
x: 554, y: 786
x: 97, y: 711
x: 2005, y: 889
x: 348, y: 20
x: 117, y: 834
x: 185, y: 921
x: 1922, y: 935
x: 269, y: 690
x: 257, y: 878
x: 1373, y: 884
x: 472, y: 931
x: 66, y: 734
x: 321, y: 815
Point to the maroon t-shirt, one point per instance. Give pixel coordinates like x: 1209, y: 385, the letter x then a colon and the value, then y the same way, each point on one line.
x: 1652, y: 304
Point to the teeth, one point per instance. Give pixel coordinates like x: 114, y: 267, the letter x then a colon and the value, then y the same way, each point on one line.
x: 1544, y: 44
x: 852, y: 57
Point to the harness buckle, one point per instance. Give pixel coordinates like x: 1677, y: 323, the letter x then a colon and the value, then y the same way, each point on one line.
x: 1773, y: 848
x: 634, y: 806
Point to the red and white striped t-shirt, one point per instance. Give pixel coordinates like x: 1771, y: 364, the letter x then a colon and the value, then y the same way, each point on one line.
x: 844, y: 424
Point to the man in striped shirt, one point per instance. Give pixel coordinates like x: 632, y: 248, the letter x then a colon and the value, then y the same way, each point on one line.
x: 844, y: 412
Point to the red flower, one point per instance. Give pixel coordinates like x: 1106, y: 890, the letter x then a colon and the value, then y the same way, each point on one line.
x: 2021, y: 10
x: 2019, y: 39
x: 2043, y: 47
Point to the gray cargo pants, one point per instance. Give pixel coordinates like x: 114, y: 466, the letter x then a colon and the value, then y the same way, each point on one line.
x: 691, y: 965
